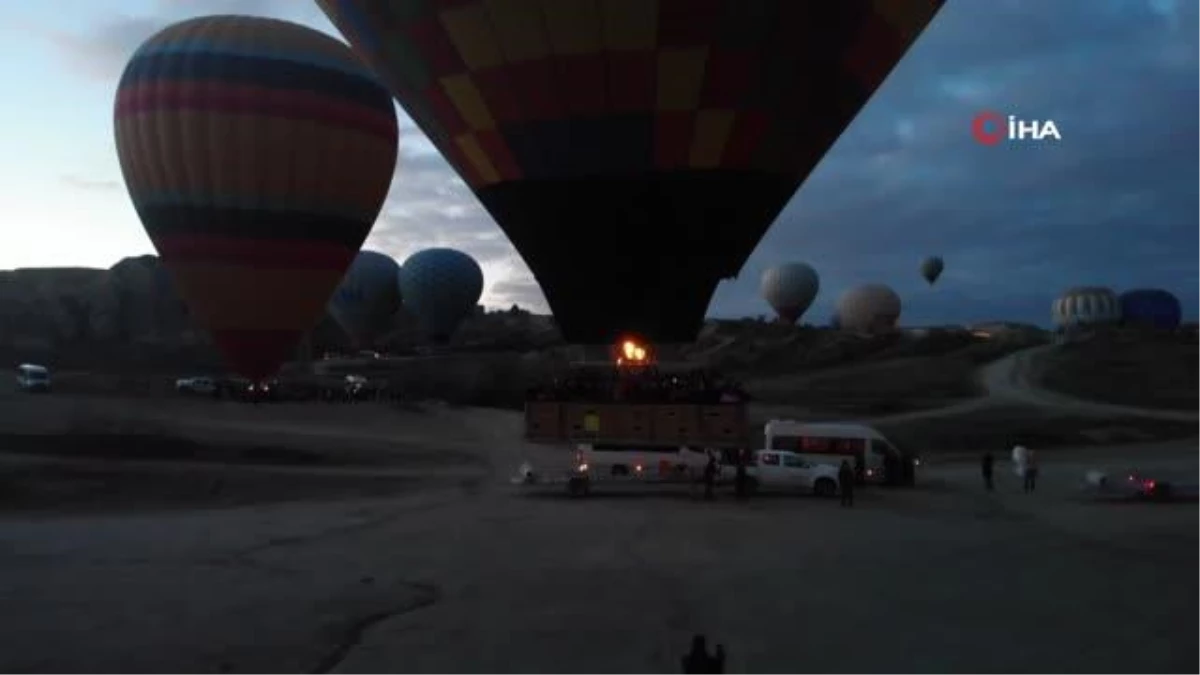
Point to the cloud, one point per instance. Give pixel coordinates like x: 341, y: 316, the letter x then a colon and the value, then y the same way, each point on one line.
x: 1114, y: 203
x: 85, y: 183
x: 102, y: 51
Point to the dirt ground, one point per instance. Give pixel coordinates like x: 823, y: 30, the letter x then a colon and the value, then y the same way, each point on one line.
x: 1129, y: 368
x: 892, y: 381
x: 398, y: 561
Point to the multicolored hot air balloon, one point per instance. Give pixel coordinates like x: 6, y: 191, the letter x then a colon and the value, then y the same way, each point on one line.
x: 1086, y: 305
x: 790, y: 288
x: 931, y: 268
x: 870, y: 308
x: 441, y: 286
x: 368, y: 297
x: 1151, y: 307
x: 257, y: 153
x: 634, y: 151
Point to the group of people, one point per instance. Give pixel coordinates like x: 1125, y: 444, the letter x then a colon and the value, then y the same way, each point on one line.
x: 1025, y: 463
x: 643, y: 385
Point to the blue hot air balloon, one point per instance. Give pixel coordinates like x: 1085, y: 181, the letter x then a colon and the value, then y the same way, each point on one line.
x: 367, y: 297
x: 1151, y: 307
x: 441, y: 287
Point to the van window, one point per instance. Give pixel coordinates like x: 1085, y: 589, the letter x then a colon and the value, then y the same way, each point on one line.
x: 770, y: 459
x: 850, y: 445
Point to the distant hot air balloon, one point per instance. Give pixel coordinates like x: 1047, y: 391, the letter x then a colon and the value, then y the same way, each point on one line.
x: 870, y: 308
x: 790, y: 288
x: 257, y: 153
x: 633, y: 151
x: 368, y: 296
x: 1086, y: 305
x: 441, y: 286
x: 1151, y: 307
x: 931, y: 268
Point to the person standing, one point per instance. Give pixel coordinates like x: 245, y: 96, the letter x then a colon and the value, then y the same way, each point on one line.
x: 846, y: 483
x: 710, y: 475
x: 1031, y: 471
x: 988, y: 467
x: 697, y: 661
x: 739, y: 479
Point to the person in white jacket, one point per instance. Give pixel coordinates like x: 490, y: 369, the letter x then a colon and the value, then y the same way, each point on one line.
x: 1020, y: 457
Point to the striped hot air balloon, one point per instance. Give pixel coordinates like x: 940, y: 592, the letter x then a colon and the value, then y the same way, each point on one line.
x: 634, y: 151
x: 257, y: 153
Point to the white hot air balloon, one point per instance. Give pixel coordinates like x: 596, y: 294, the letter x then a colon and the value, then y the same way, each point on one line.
x: 1086, y: 305
x: 870, y: 308
x: 790, y: 288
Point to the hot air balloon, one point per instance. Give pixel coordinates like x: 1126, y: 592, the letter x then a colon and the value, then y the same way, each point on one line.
x: 634, y: 151
x: 441, y: 286
x: 931, y: 268
x: 870, y: 308
x: 790, y: 288
x: 1086, y: 305
x: 257, y: 154
x: 1151, y: 307
x: 367, y: 297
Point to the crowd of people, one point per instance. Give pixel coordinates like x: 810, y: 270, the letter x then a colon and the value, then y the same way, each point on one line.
x: 640, y: 385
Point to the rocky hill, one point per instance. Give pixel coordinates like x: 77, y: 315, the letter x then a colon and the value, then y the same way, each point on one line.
x: 130, y: 317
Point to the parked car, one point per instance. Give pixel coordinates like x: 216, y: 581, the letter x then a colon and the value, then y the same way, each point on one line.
x: 786, y: 470
x: 202, y: 386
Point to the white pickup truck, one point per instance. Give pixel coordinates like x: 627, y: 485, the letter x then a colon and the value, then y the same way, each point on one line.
x: 783, y: 470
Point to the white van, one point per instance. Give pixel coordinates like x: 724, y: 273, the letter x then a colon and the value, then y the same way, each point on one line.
x: 33, y: 378
x: 867, y: 449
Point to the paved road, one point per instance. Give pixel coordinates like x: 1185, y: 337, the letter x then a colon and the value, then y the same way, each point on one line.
x: 1013, y: 379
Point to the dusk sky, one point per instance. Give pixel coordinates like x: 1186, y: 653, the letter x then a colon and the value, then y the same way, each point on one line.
x: 1113, y: 203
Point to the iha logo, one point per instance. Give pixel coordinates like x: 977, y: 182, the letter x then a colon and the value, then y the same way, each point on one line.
x: 989, y: 128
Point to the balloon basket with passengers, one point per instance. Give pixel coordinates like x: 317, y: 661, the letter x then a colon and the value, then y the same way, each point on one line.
x: 632, y: 419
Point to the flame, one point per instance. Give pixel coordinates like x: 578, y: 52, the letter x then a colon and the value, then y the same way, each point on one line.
x: 632, y: 352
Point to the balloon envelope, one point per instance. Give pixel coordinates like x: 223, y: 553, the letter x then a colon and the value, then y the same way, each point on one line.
x: 790, y: 288
x: 1086, y: 305
x: 1151, y: 307
x: 931, y: 268
x: 226, y: 129
x: 441, y: 286
x: 368, y: 296
x: 633, y: 151
x: 870, y: 308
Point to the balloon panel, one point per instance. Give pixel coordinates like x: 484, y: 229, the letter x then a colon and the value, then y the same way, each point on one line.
x: 650, y: 142
x: 226, y: 129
